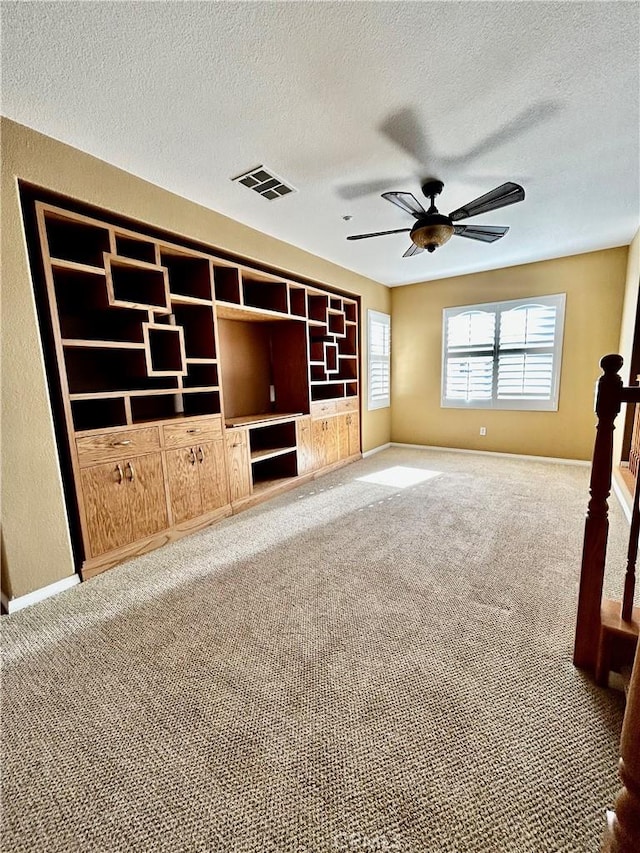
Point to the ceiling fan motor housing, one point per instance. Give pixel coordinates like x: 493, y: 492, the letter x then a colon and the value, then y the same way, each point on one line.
x: 432, y: 231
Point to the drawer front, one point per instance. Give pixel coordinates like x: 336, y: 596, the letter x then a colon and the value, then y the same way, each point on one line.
x: 112, y: 446
x: 184, y: 434
x: 351, y: 404
x: 321, y: 410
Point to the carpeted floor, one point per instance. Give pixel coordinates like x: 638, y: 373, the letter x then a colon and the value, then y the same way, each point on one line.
x: 355, y: 666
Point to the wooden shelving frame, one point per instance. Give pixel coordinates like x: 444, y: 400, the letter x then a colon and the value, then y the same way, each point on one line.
x: 136, y: 323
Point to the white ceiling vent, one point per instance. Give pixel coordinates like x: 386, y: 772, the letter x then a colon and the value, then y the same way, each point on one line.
x: 264, y: 182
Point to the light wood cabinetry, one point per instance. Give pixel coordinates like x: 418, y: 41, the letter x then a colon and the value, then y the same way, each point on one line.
x: 191, y: 385
x: 238, y: 464
x: 123, y: 501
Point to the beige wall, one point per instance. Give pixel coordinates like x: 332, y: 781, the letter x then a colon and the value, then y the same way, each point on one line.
x: 628, y: 328
x: 36, y: 548
x: 594, y: 284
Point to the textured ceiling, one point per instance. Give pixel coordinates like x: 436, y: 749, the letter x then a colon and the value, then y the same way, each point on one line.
x: 347, y: 100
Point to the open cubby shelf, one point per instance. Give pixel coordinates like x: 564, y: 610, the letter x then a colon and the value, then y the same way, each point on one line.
x: 188, y: 276
x: 137, y: 250
x: 98, y: 370
x: 76, y: 241
x: 98, y: 414
x: 268, y: 295
x: 226, y: 284
x: 197, y: 322
x: 275, y: 468
x: 165, y: 350
x: 132, y: 285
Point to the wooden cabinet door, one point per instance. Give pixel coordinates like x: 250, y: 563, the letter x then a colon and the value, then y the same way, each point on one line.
x: 184, y: 484
x: 353, y: 422
x: 238, y: 464
x: 146, y: 495
x: 332, y: 440
x: 319, y: 444
x: 304, y: 443
x: 214, y: 487
x: 106, y: 506
x: 343, y: 435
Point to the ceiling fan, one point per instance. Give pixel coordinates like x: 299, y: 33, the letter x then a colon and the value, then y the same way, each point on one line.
x: 432, y: 229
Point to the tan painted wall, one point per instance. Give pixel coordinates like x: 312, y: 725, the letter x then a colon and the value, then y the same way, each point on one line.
x: 36, y: 548
x: 594, y: 284
x: 628, y: 330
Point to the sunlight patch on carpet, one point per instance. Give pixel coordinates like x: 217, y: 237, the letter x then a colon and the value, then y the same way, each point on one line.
x: 400, y: 477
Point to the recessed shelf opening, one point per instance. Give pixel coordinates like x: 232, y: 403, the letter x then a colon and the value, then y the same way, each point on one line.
x: 200, y: 375
x: 197, y: 322
x: 165, y: 350
x: 297, y: 301
x: 98, y: 414
x: 137, y: 286
x: 271, y: 296
x: 188, y: 276
x: 317, y: 307
x: 276, y: 468
x: 78, y: 242
x: 95, y: 370
x: 138, y: 250
x: 227, y: 284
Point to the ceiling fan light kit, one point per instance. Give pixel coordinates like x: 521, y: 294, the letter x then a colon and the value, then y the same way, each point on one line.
x: 432, y: 229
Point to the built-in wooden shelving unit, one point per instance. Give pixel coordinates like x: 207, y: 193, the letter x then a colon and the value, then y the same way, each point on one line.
x: 191, y: 385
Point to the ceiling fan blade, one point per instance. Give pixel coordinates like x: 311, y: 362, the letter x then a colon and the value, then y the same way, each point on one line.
x: 378, y: 234
x: 407, y: 202
x: 413, y: 250
x: 484, y: 233
x: 501, y: 196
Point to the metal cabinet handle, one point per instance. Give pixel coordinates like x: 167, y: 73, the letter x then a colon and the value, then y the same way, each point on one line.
x: 120, y: 474
x: 192, y: 456
x: 200, y: 455
x: 194, y: 431
x: 132, y: 472
x: 121, y: 443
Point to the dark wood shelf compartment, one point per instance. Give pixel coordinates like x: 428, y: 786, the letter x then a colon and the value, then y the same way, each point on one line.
x: 348, y: 368
x: 164, y: 347
x: 350, y: 311
x: 318, y: 373
x: 188, y: 276
x: 331, y: 357
x: 335, y: 303
x: 317, y: 305
x: 351, y: 389
x: 77, y: 241
x: 336, y: 323
x: 199, y: 334
x: 174, y: 405
x: 297, y: 301
x: 98, y: 414
x: 137, y: 250
x: 272, y: 436
x: 349, y: 344
x: 206, y: 403
x: 330, y: 391
x: 276, y: 468
x: 268, y: 295
x: 226, y: 282
x: 95, y: 370
x: 131, y: 286
x: 200, y: 375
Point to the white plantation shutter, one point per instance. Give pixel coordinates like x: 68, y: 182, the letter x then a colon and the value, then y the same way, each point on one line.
x: 379, y: 332
x: 503, y: 355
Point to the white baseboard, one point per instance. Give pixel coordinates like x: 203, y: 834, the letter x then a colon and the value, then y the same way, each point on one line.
x: 622, y: 498
x: 376, y: 450
x: 555, y: 460
x: 11, y: 605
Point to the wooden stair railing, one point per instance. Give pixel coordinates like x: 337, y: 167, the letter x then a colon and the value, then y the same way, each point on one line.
x: 604, y: 631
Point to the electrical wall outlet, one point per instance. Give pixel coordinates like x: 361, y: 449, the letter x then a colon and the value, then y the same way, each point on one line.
x: 483, y: 430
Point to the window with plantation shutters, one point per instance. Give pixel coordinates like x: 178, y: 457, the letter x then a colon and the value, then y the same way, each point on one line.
x: 379, y: 331
x: 503, y: 355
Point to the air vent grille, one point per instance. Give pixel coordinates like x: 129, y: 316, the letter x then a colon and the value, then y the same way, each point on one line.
x: 263, y: 181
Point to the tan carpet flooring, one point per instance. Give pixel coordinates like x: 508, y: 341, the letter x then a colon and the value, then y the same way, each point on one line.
x: 355, y: 666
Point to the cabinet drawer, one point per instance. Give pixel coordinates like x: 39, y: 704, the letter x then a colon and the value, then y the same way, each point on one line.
x: 351, y: 404
x: 183, y: 434
x: 321, y: 410
x: 111, y: 446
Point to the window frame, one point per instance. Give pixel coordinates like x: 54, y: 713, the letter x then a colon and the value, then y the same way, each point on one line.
x: 557, y: 300
x: 379, y: 402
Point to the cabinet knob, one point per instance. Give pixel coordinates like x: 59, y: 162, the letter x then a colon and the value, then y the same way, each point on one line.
x: 120, y: 474
x: 200, y: 455
x: 192, y: 456
x: 123, y: 443
x: 132, y: 472
x: 193, y: 431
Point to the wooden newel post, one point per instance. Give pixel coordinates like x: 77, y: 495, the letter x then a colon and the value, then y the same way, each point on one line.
x: 625, y: 824
x: 596, y: 529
